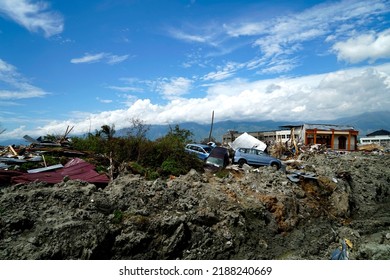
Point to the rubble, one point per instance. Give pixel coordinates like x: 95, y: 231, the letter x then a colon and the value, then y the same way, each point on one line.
x: 23, y: 163
x: 256, y: 213
x: 370, y: 147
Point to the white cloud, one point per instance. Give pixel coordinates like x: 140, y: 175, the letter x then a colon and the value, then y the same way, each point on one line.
x: 9, y: 95
x: 188, y: 37
x: 174, y: 87
x: 125, y: 88
x: 326, y: 96
x: 105, y: 57
x: 299, y: 109
x: 319, y: 21
x: 246, y: 29
x: 33, y: 16
x: 219, y: 75
x: 105, y: 101
x: 369, y: 47
x: 114, y: 59
x: 278, y: 65
x: 223, y: 72
x: 284, y: 36
x: 209, y: 34
x: 15, y: 85
x: 88, y: 58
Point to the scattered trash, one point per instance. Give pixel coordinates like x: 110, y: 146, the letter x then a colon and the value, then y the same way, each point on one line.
x: 295, y: 176
x: 340, y: 253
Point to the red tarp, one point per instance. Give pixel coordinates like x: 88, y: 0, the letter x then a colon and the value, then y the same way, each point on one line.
x: 74, y: 169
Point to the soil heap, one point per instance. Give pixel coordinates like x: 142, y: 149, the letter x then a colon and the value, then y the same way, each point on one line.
x: 233, y: 214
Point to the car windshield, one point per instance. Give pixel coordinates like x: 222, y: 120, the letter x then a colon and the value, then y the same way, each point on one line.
x: 215, y: 161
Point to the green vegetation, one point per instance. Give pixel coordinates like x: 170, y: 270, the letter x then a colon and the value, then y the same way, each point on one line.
x: 222, y: 173
x: 118, y: 217
x: 160, y: 158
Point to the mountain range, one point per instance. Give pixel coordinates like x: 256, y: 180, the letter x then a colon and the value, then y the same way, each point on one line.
x: 365, y: 123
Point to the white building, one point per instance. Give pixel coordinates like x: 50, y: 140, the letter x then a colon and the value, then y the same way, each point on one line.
x: 380, y: 137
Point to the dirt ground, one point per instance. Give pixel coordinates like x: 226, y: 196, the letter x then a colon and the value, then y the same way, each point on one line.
x: 237, y: 214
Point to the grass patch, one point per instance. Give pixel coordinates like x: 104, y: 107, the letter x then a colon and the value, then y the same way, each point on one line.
x: 118, y: 217
x: 222, y: 173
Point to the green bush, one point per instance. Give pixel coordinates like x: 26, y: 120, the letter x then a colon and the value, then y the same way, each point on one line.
x: 171, y: 167
x: 162, y: 157
x: 89, y: 143
x: 137, y: 168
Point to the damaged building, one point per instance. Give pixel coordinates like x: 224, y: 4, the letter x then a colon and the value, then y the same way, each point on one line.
x: 336, y: 137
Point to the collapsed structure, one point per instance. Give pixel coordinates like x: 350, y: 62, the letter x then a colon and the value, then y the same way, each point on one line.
x: 336, y: 137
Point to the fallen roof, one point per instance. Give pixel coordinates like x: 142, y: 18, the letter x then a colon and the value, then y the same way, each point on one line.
x: 74, y: 169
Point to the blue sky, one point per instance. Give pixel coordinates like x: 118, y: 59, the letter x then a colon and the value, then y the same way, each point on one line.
x: 95, y: 62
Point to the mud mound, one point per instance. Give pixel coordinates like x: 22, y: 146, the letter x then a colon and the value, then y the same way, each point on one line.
x: 253, y: 214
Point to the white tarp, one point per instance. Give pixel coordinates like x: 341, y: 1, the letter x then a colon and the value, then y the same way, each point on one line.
x: 247, y: 141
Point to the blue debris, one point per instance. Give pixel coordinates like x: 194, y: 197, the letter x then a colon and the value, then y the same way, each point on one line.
x: 340, y: 254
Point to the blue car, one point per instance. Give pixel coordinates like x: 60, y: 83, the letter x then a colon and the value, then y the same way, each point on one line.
x: 200, y: 150
x: 255, y: 157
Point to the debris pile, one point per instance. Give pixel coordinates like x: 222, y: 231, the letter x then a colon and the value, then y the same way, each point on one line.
x: 46, y: 160
x: 237, y: 213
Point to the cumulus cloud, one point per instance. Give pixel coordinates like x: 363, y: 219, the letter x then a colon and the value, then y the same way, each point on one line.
x: 33, y: 16
x: 99, y: 57
x: 15, y: 86
x: 174, y: 87
x: 327, y: 96
x: 371, y: 46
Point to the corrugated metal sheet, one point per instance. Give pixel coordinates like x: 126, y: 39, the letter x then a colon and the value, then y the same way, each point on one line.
x: 74, y: 169
x: 328, y: 127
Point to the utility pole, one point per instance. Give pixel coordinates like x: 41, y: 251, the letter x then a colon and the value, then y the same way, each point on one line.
x: 211, y: 128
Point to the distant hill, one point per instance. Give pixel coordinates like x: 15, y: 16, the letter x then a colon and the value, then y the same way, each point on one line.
x: 364, y: 123
x: 367, y: 122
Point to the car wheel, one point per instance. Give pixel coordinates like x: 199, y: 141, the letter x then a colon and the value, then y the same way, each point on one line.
x: 241, y: 162
x: 275, y: 165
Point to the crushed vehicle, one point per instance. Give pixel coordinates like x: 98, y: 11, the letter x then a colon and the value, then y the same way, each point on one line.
x: 219, y: 158
x: 200, y: 150
x: 255, y: 157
